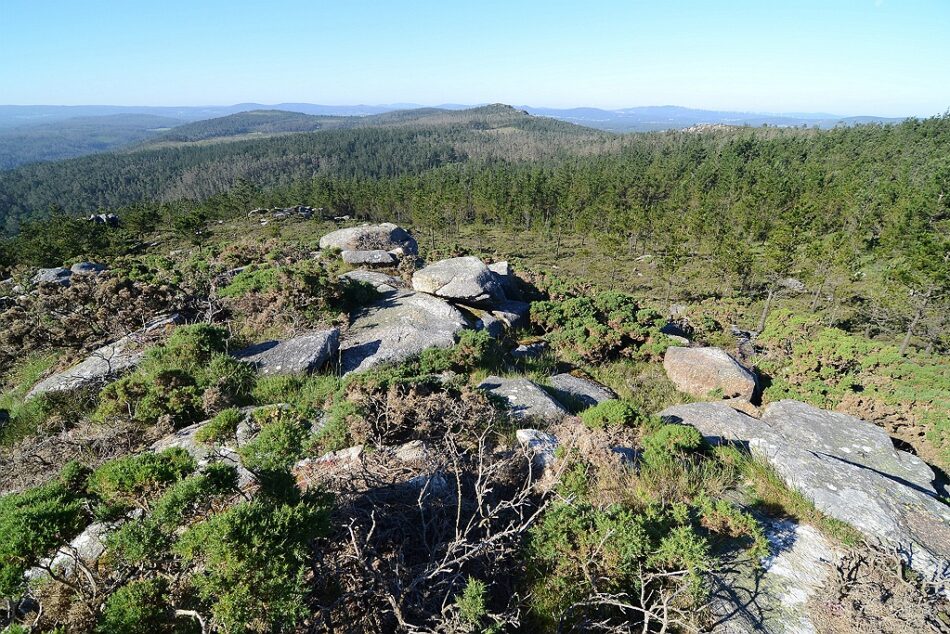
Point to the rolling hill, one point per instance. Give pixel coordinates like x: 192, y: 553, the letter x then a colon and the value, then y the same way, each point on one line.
x: 78, y: 136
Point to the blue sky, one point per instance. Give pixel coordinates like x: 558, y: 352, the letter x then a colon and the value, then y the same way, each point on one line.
x: 882, y: 57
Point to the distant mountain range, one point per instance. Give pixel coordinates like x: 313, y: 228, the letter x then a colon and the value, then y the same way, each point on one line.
x: 42, y: 133
x: 639, y: 119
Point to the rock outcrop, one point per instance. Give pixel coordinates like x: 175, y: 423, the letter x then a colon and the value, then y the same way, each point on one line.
x: 848, y: 468
x: 301, y: 355
x: 700, y: 371
x: 578, y: 392
x: 541, y: 445
x: 105, y: 363
x: 382, y: 237
x: 396, y: 327
x: 526, y: 400
x: 376, y: 257
x: 56, y: 275
x: 466, y: 280
x: 774, y: 598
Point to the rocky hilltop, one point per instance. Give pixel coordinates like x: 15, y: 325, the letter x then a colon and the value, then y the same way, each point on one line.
x: 270, y: 438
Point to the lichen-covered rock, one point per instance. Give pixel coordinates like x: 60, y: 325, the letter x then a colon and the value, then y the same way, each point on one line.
x: 375, y: 257
x: 465, y: 280
x: 383, y: 237
x: 774, y: 597
x: 579, y: 392
x: 55, y: 275
x: 397, y: 327
x: 848, y: 468
x: 86, y: 268
x: 105, y: 363
x: 529, y: 351
x: 541, y: 445
x: 700, y: 371
x: 85, y: 548
x: 300, y: 355
x: 525, y: 399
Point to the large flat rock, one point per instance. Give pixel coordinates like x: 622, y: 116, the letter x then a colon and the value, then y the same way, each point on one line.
x: 848, y: 468
x: 382, y: 237
x: 526, y: 400
x: 301, y: 355
x: 772, y: 595
x: 396, y: 327
x: 466, y: 280
x: 374, y: 257
x: 578, y: 391
x: 105, y: 363
x: 700, y: 371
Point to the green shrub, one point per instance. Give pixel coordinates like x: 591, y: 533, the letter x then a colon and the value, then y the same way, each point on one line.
x: 253, y: 279
x: 173, y: 379
x: 250, y: 561
x: 574, y: 544
x: 671, y: 442
x: 35, y: 521
x: 279, y: 444
x: 221, y: 428
x: 595, y: 327
x: 335, y: 434
x: 133, y: 479
x: 471, y: 603
x: 147, y: 540
x: 823, y: 366
x: 612, y: 413
x: 140, y: 607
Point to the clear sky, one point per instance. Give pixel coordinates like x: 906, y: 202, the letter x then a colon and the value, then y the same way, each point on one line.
x: 882, y: 57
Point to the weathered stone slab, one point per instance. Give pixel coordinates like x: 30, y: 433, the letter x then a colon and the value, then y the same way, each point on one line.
x: 384, y: 237
x: 397, y: 327
x: 700, y: 371
x: 301, y: 355
x: 465, y: 280
x: 105, y: 363
x: 579, y: 392
x: 526, y: 400
x: 848, y: 468
x: 374, y: 257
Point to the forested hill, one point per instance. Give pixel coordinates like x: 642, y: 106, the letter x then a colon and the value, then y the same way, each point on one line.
x: 260, y: 122
x: 385, y: 145
x: 77, y: 136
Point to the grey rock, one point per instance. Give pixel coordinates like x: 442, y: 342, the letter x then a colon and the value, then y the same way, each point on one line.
x: 526, y: 400
x: 205, y: 454
x: 848, y: 468
x: 512, y: 312
x: 775, y: 598
x: 375, y: 257
x: 105, y: 363
x: 529, y: 351
x: 541, y: 445
x: 506, y: 278
x: 699, y: 371
x: 87, y: 268
x: 56, y: 275
x: 465, y: 280
x: 397, y: 327
x: 674, y: 332
x: 301, y: 355
x: 385, y: 237
x: 492, y: 325
x: 382, y: 282
x: 86, y: 548
x: 579, y: 392
x: 792, y: 284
